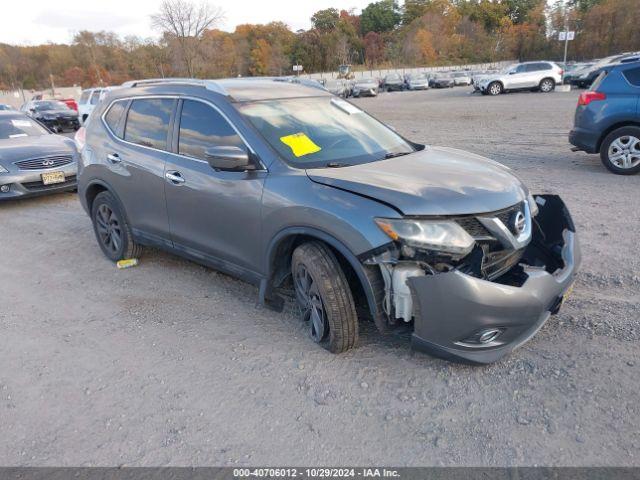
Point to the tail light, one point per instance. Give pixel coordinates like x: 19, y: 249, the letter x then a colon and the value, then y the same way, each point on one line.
x: 561, y: 72
x: 586, y: 98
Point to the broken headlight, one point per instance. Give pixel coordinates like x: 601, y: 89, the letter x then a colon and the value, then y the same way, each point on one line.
x: 441, y: 236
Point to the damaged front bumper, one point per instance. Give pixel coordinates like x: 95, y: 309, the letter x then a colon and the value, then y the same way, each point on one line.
x: 458, y: 316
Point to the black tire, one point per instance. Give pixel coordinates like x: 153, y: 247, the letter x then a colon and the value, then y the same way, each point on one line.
x: 112, y: 229
x: 547, y: 85
x: 315, y: 269
x: 621, y: 135
x: 494, y: 88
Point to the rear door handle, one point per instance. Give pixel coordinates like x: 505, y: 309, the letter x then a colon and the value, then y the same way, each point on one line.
x: 114, y: 158
x: 174, y: 177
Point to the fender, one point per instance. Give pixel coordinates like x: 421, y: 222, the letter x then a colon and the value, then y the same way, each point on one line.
x: 270, y: 299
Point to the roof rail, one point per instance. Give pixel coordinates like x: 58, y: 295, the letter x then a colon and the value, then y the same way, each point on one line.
x: 208, y: 84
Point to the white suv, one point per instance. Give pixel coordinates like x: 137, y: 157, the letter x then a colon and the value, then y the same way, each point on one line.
x: 88, y: 101
x: 541, y: 76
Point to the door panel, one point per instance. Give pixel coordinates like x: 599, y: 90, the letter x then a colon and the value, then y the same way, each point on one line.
x: 137, y: 165
x: 215, y: 213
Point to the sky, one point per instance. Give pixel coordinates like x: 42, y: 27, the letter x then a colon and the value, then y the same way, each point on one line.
x: 34, y: 22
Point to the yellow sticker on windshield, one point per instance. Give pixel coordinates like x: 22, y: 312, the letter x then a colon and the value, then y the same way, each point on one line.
x: 300, y: 144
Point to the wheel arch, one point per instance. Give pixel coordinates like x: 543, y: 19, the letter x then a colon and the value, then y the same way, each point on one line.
x: 94, y: 188
x: 362, y: 280
x: 615, y: 126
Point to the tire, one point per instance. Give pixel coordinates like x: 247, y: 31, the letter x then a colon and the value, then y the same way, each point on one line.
x: 494, y: 88
x: 323, y: 292
x: 547, y: 85
x: 109, y: 224
x: 624, y: 139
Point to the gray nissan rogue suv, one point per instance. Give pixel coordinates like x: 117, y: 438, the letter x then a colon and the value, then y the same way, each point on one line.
x: 309, y: 197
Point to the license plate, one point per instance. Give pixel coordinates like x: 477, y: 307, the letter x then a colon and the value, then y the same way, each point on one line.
x: 50, y: 178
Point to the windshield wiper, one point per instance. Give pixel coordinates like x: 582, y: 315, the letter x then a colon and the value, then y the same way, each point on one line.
x: 396, y: 154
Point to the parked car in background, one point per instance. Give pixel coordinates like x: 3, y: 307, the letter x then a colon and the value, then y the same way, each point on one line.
x: 322, y: 201
x: 607, y: 118
x: 478, y: 77
x: 461, y: 78
x: 577, y: 70
x: 418, y: 81
x: 33, y: 161
x: 341, y: 88
x: 393, y: 82
x: 4, y: 107
x: 366, y: 87
x: 441, y: 80
x: 542, y: 76
x: 69, y: 102
x: 54, y: 114
x: 589, y: 74
x: 88, y: 101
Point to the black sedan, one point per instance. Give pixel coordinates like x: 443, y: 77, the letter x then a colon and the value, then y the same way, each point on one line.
x: 56, y: 115
x: 33, y: 161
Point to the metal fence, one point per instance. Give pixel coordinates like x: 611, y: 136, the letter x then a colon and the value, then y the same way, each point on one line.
x: 379, y: 73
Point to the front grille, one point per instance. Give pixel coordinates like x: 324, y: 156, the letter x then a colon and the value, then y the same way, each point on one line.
x: 44, y: 163
x: 473, y: 227
x: 506, y: 217
x: 39, y: 186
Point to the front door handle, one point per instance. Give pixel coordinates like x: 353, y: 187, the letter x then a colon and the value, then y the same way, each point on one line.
x: 174, y: 177
x: 114, y: 158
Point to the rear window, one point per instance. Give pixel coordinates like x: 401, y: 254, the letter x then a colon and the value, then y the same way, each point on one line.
x: 95, y: 97
x: 633, y: 76
x: 84, y: 98
x: 148, y: 122
x: 596, y: 83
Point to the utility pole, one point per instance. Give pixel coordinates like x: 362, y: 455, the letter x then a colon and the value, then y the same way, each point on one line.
x: 566, y: 34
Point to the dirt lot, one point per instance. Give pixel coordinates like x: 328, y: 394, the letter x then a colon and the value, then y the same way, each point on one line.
x: 173, y: 364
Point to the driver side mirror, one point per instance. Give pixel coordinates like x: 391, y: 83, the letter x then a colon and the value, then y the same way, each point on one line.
x: 229, y: 158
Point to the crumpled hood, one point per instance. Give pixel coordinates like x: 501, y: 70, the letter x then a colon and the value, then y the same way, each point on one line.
x: 21, y: 148
x: 434, y: 181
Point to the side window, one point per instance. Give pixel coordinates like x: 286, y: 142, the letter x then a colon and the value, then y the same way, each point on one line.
x: 95, y: 96
x: 148, y: 122
x: 521, y: 69
x: 202, y: 127
x: 84, y: 98
x: 633, y: 76
x: 114, y: 115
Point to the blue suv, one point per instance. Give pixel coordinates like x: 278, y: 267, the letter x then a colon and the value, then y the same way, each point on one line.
x: 607, y: 119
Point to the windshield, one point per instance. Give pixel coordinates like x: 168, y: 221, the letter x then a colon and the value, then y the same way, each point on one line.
x: 323, y: 131
x: 367, y: 81
x: 421, y: 76
x: 458, y: 75
x: 15, y: 127
x: 51, y: 106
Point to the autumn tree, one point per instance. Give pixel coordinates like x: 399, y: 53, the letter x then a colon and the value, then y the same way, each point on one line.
x: 185, y: 23
x: 381, y: 16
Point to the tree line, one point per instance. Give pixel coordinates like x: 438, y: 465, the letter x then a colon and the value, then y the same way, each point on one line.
x: 383, y: 35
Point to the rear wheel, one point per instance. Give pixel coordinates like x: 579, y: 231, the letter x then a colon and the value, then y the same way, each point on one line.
x: 112, y: 230
x: 547, y: 85
x: 323, y: 292
x: 620, y: 151
x: 494, y: 88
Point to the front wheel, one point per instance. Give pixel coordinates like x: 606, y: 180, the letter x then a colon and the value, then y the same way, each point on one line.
x: 323, y: 292
x: 620, y: 151
x: 495, y: 88
x: 547, y: 85
x: 112, y: 230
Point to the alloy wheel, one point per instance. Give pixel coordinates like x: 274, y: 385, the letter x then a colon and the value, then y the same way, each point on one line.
x: 546, y: 86
x: 109, y: 229
x: 624, y: 152
x: 309, y: 297
x: 495, y: 89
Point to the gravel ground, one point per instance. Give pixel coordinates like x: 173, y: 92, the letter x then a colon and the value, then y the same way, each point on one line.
x: 170, y: 363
